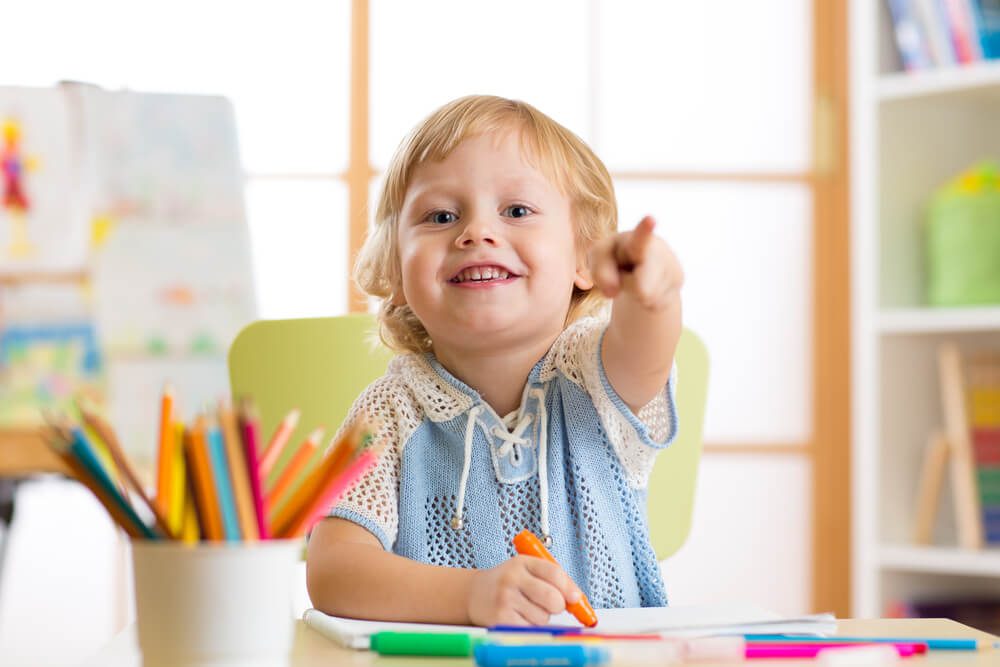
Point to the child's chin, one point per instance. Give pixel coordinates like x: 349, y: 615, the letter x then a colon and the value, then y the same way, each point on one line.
x: 489, y: 322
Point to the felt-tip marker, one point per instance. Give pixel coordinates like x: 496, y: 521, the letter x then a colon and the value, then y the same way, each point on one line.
x: 527, y: 544
x: 542, y: 655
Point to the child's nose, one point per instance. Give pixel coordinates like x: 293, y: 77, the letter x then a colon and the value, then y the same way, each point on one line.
x: 477, y: 230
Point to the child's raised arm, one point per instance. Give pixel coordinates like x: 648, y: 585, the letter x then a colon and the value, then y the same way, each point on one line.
x: 640, y: 272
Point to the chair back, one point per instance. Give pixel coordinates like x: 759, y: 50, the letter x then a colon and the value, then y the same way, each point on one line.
x: 319, y: 365
x: 670, y: 504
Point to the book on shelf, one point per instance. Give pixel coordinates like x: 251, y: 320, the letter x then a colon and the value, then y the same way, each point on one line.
x: 968, y: 445
x: 984, y: 422
x: 940, y: 33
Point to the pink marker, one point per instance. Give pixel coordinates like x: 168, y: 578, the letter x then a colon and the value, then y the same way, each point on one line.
x: 801, y: 650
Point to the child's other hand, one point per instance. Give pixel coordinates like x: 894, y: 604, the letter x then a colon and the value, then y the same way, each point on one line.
x: 638, y: 263
x: 524, y: 590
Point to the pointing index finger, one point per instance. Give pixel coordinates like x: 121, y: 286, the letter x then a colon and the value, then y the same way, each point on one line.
x: 633, y: 251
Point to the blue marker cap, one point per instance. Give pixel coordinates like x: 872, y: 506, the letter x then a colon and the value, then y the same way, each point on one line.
x: 539, y: 629
x: 540, y: 655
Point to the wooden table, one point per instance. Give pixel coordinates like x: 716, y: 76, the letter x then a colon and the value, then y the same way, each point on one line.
x: 23, y: 453
x: 313, y: 650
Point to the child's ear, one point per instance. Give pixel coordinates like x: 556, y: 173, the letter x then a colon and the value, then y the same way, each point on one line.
x: 583, y: 280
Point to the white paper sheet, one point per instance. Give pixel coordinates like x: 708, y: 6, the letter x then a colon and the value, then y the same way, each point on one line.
x: 669, y: 621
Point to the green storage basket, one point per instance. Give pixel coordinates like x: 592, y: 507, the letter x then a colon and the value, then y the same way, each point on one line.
x: 963, y: 240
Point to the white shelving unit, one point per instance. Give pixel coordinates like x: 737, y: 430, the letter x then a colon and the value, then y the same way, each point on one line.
x: 911, y: 132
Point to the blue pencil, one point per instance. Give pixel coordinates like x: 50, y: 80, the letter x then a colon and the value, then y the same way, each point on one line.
x: 223, y: 485
x: 933, y: 644
x: 85, y: 454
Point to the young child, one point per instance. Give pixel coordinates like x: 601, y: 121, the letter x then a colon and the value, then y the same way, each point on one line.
x: 511, y: 407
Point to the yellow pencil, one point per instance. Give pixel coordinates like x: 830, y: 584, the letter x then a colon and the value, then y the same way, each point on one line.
x: 179, y: 482
x: 191, y: 529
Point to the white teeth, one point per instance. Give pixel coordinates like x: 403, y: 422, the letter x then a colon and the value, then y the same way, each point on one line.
x: 481, y: 273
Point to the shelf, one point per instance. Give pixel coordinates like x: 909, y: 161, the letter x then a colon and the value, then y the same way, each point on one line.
x: 939, y: 320
x: 941, y: 560
x: 956, y: 82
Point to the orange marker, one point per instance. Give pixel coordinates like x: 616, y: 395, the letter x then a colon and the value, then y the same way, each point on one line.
x: 527, y: 544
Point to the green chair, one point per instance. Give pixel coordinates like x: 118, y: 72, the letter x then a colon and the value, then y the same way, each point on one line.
x: 318, y: 365
x: 321, y: 365
x: 670, y: 504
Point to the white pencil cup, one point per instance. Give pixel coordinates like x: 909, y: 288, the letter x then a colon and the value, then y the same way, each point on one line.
x: 215, y: 604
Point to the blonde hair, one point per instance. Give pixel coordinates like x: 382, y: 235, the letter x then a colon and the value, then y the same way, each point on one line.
x: 562, y: 156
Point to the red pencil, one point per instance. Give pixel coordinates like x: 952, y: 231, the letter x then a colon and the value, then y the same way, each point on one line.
x: 250, y: 430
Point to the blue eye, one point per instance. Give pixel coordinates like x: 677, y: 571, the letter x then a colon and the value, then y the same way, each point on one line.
x: 517, y: 211
x: 441, y: 217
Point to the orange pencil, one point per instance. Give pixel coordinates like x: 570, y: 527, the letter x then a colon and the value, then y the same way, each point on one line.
x: 245, y: 513
x: 165, y: 451
x: 277, y: 444
x: 336, y: 459
x: 200, y: 471
x: 332, y: 490
x: 290, y: 473
x: 527, y: 544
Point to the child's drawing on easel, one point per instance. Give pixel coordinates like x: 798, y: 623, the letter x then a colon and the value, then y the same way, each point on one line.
x: 15, y: 200
x: 46, y: 184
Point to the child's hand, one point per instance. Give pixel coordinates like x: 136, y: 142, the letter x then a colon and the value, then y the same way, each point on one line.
x: 637, y: 263
x: 524, y: 590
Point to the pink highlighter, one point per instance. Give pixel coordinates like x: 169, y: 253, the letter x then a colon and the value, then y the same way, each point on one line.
x: 799, y: 650
x: 735, y: 648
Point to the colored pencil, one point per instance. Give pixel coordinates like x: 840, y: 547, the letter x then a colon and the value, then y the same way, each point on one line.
x: 336, y: 459
x: 165, y: 450
x: 250, y: 428
x: 332, y: 491
x: 293, y: 469
x: 178, y: 478
x: 277, y: 443
x: 107, y: 434
x: 238, y: 473
x: 223, y: 485
x: 82, y: 475
x: 84, y: 451
x: 191, y: 527
x: 107, y: 460
x: 200, y: 471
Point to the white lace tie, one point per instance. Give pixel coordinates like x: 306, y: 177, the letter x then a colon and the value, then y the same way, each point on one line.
x: 513, y: 442
x: 470, y: 431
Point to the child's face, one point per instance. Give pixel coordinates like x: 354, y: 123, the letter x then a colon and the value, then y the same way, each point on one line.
x: 487, y: 247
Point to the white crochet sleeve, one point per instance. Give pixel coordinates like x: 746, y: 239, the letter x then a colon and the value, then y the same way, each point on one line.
x: 388, y: 406
x: 636, y: 438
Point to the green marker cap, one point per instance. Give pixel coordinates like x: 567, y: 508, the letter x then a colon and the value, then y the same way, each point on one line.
x: 424, y: 643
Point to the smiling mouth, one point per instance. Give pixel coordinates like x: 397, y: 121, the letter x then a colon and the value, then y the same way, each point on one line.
x: 482, y: 274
